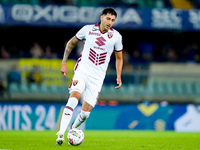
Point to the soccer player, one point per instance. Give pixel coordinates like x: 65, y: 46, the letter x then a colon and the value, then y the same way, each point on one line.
x: 100, y: 40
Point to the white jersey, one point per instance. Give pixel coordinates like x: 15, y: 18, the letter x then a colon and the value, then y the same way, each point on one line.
x: 97, y: 50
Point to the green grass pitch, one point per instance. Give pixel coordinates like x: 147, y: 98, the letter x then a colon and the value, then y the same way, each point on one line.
x: 102, y: 140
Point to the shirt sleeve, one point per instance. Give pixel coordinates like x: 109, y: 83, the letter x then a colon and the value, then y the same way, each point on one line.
x: 118, y: 45
x: 81, y: 34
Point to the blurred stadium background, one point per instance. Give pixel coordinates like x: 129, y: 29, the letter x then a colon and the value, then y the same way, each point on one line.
x: 161, y: 84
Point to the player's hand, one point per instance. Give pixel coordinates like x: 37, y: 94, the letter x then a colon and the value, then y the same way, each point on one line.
x: 64, y: 69
x: 119, y: 82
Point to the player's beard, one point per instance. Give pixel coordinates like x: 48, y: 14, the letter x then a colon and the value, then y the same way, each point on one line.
x: 108, y: 27
x: 105, y: 27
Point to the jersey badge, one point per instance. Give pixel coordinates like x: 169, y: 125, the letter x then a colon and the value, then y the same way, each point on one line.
x: 75, y: 82
x: 110, y: 35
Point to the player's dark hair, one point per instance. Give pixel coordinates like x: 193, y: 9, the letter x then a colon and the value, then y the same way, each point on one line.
x: 109, y: 10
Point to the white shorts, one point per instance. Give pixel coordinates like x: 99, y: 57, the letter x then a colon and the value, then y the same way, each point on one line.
x: 87, y: 86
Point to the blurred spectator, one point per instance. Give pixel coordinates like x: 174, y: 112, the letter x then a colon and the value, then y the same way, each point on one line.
x: 48, y: 54
x: 35, y: 75
x: 4, y: 54
x: 146, y: 49
x: 136, y: 56
x: 127, y: 66
x: 36, y: 50
x: 192, y: 52
x: 3, y: 88
x: 169, y: 53
x: 13, y: 76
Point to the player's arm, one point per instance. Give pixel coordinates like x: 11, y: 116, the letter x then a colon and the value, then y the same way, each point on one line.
x: 119, y: 64
x: 70, y: 45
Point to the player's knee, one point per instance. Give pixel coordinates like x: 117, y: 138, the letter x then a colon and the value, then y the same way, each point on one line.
x: 75, y: 94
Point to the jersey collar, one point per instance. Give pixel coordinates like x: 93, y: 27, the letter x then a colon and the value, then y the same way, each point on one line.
x: 96, y: 27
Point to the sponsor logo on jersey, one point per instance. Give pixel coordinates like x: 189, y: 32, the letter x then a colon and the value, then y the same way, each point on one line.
x: 93, y: 33
x: 103, y: 49
x: 75, y: 82
x: 100, y: 41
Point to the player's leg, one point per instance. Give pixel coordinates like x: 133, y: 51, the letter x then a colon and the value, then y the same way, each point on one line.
x: 76, y: 88
x: 90, y: 96
x: 83, y: 115
x: 67, y: 115
x: 68, y: 110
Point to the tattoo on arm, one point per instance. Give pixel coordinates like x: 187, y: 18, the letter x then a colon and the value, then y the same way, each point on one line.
x: 70, y: 45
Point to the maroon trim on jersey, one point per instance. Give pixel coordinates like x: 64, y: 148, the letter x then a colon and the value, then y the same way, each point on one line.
x: 97, y: 24
x: 111, y: 53
x: 77, y: 63
x: 70, y: 85
x: 78, y: 38
x: 119, y: 50
x: 69, y: 108
x: 71, y: 82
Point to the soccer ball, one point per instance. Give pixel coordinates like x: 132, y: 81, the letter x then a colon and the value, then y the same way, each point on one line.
x: 75, y: 137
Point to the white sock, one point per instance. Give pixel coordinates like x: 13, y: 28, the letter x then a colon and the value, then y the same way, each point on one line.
x: 67, y: 114
x: 81, y: 118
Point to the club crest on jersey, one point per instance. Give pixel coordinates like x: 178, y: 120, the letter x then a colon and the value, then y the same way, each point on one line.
x: 75, y: 82
x: 110, y: 35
